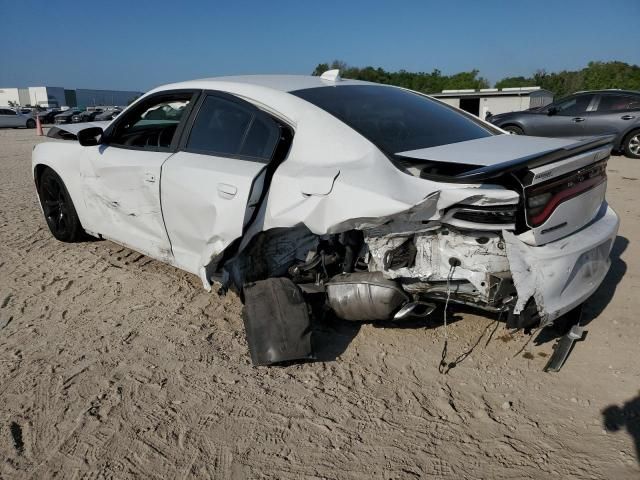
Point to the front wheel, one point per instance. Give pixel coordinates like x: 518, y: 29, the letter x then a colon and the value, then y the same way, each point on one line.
x: 631, y: 145
x: 31, y: 123
x: 59, y: 212
x: 513, y: 129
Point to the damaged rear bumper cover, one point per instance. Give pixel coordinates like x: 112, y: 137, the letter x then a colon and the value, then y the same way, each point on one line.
x: 562, y: 274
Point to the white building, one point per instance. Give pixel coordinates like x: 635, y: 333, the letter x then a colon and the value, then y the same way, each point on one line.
x: 58, y: 96
x: 494, y: 101
x: 42, y: 96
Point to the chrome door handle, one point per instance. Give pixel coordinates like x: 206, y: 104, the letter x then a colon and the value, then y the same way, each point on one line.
x: 627, y: 117
x: 578, y: 119
x: 149, y: 178
x: 227, y: 191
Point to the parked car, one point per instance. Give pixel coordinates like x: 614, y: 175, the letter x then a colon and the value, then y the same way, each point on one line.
x: 585, y: 113
x: 47, y: 116
x: 66, y: 116
x: 372, y: 200
x: 86, y: 116
x: 108, y: 115
x: 12, y: 117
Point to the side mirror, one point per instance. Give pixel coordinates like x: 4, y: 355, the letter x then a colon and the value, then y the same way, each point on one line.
x: 552, y: 111
x: 89, y: 137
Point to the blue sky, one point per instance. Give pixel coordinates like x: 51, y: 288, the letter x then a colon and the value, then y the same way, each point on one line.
x: 138, y: 44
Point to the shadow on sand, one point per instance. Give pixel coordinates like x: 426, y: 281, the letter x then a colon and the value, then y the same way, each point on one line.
x: 627, y: 416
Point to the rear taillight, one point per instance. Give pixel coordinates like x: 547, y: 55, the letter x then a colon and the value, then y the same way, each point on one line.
x: 542, y: 200
x: 494, y: 215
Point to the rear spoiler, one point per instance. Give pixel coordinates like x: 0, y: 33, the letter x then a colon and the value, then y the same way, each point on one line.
x: 482, y: 174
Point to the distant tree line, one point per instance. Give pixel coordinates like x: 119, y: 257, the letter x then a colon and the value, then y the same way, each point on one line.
x: 596, y: 75
x: 431, y: 82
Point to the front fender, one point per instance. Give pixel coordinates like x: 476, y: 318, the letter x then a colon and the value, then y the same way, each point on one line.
x: 64, y: 159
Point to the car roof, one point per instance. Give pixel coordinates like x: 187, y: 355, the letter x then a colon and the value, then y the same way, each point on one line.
x: 283, y: 83
x: 611, y: 90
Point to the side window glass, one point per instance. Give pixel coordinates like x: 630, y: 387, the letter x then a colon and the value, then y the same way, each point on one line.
x: 7, y: 111
x: 224, y: 127
x: 574, y: 106
x: 152, y: 124
x: 220, y: 127
x: 262, y: 138
x: 618, y: 103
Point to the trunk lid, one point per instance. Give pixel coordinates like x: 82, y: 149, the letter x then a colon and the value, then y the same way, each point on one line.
x: 562, y: 182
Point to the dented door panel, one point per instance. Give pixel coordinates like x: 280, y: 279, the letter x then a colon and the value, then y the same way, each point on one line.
x: 204, y: 198
x: 121, y: 190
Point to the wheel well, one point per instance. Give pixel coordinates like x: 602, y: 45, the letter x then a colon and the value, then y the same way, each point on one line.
x: 511, y: 124
x: 38, y: 171
x: 627, y: 135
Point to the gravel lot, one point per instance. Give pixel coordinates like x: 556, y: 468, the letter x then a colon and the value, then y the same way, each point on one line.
x: 113, y: 365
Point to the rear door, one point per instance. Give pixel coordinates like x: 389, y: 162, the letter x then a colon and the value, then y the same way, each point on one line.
x: 566, y: 119
x: 207, y: 185
x: 613, y: 113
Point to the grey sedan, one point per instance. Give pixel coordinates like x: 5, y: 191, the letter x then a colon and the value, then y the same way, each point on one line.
x: 583, y: 114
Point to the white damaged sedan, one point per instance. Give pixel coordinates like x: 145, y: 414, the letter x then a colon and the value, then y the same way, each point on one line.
x: 371, y: 200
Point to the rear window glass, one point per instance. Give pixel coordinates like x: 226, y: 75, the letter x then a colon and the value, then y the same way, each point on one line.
x: 395, y: 120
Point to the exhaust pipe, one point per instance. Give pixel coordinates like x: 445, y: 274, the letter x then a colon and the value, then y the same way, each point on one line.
x: 416, y: 309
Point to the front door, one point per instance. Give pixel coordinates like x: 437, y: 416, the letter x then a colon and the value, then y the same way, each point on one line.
x: 566, y: 118
x: 121, y: 177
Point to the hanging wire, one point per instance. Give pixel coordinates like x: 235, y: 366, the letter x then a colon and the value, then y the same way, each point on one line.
x: 443, y: 364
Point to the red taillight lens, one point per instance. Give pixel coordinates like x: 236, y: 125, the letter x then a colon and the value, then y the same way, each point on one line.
x: 542, y: 200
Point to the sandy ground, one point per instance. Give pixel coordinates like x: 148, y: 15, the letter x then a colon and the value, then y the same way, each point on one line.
x: 113, y: 365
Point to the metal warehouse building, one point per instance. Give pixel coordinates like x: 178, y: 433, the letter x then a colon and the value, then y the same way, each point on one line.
x: 58, y: 96
x: 493, y: 101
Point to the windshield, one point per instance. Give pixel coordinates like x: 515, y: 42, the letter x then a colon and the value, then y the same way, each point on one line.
x: 395, y: 120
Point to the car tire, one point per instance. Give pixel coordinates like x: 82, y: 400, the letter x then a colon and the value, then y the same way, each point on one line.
x: 59, y: 211
x: 31, y: 123
x: 513, y: 129
x: 631, y: 144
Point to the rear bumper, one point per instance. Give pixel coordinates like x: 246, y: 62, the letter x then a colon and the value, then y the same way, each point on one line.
x: 562, y: 274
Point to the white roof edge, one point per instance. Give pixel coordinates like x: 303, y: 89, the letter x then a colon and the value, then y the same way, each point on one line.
x: 467, y: 90
x: 520, y: 89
